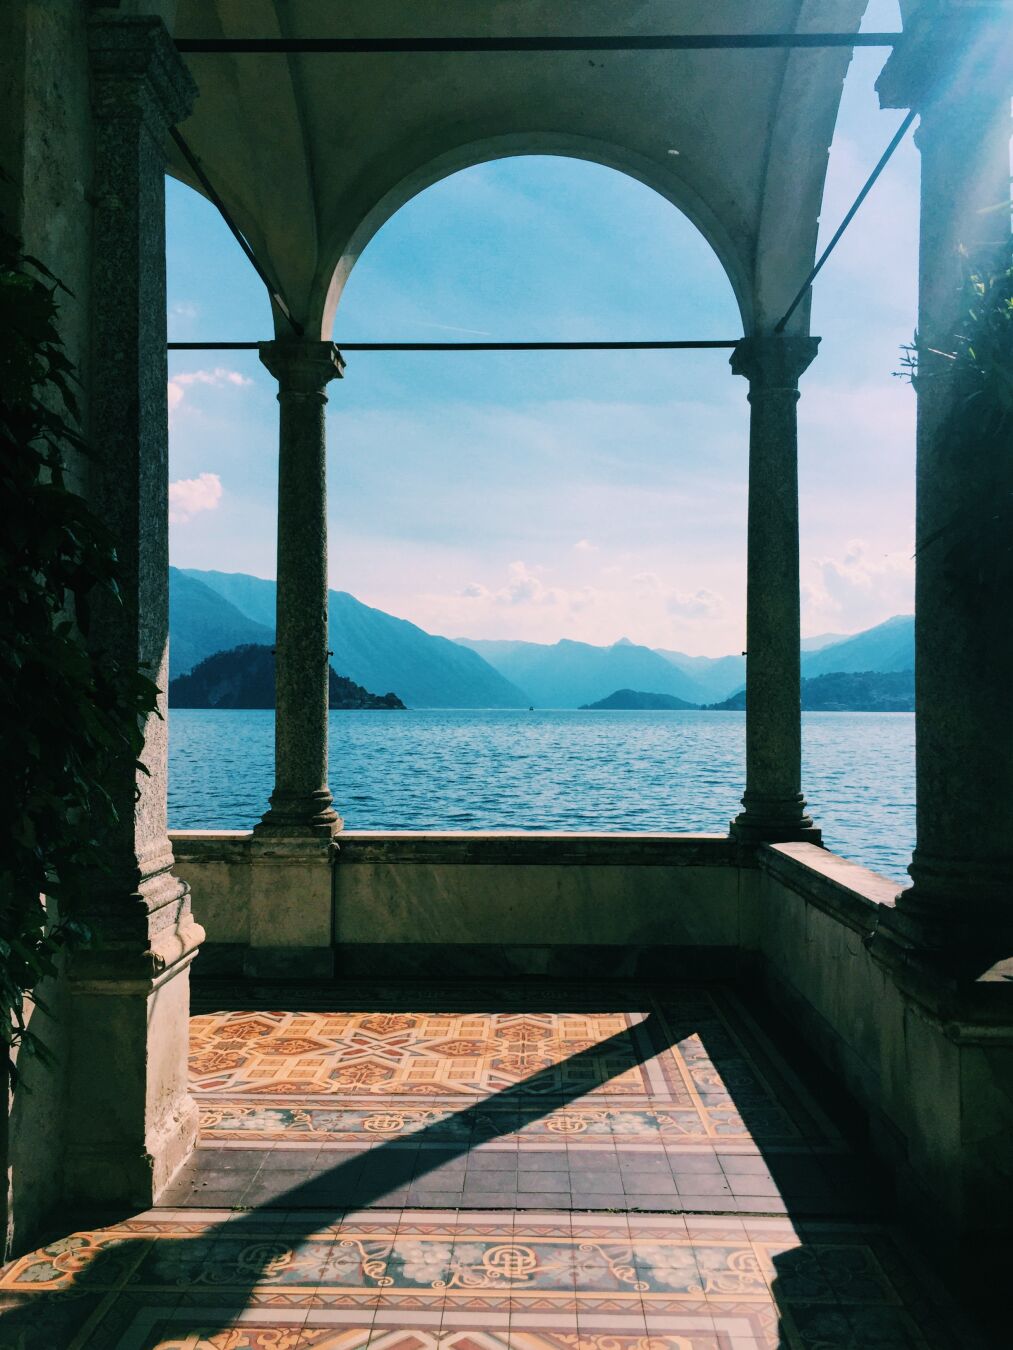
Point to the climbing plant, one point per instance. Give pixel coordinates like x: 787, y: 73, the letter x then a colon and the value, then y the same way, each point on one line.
x: 69, y: 713
x: 978, y: 362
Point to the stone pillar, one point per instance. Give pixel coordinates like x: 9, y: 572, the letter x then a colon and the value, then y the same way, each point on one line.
x: 133, y: 1121
x: 773, y: 805
x: 291, y: 911
x: 955, y: 69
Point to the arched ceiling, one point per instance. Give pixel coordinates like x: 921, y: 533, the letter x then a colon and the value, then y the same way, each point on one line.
x: 313, y: 152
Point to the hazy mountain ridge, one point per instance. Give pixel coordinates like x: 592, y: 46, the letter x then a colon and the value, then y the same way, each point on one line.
x: 847, y: 691
x: 202, y: 622
x: 567, y: 674
x: 890, y: 646
x: 215, y: 611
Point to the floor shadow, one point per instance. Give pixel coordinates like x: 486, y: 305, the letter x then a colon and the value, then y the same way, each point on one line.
x: 44, y: 1318
x: 835, y: 1279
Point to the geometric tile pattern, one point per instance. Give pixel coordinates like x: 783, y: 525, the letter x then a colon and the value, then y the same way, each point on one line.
x: 491, y: 1168
x: 443, y: 1281
x: 682, y: 1066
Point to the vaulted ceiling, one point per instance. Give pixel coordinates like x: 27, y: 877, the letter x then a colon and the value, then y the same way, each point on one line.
x: 313, y: 152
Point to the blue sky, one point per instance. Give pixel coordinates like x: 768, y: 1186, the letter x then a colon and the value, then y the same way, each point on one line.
x: 539, y: 496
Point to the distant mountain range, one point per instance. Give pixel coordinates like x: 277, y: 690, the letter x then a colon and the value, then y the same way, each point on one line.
x: 887, y: 647
x: 202, y: 622
x: 848, y: 691
x: 243, y: 677
x: 215, y: 611
x: 567, y: 674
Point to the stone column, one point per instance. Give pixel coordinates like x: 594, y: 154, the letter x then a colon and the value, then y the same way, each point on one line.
x: 291, y: 909
x: 301, y: 803
x: 773, y: 805
x: 132, y: 1119
x: 955, y: 69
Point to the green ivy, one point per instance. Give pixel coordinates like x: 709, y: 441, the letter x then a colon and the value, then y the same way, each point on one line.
x: 978, y: 541
x: 70, y: 714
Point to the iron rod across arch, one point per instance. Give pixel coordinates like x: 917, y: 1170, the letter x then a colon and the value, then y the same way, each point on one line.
x: 640, y: 43
x: 702, y: 344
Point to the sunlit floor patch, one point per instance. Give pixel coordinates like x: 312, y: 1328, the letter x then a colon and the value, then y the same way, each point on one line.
x: 410, y: 1280
x: 492, y: 1167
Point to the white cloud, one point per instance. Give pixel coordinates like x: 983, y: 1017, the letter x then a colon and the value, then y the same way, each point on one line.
x: 861, y: 588
x: 185, y: 309
x: 701, y: 604
x: 525, y: 587
x: 188, y: 496
x: 585, y: 546
x: 218, y: 377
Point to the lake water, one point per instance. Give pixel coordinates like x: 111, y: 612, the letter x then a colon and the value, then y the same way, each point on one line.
x: 465, y: 769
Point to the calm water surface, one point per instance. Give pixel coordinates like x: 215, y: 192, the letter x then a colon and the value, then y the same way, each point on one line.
x: 472, y: 769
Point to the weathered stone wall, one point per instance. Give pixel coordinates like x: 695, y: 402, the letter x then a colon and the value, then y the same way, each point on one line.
x: 45, y: 148
x: 929, y: 1059
x: 670, y: 907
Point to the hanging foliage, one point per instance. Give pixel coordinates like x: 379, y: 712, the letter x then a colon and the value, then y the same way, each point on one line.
x: 69, y: 714
x: 978, y: 365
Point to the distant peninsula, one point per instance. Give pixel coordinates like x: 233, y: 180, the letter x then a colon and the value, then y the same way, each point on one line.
x: 846, y: 691
x: 634, y: 700
x: 243, y: 677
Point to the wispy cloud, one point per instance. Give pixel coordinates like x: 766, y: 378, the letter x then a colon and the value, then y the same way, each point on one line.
x: 219, y: 376
x: 862, y: 586
x: 189, y: 496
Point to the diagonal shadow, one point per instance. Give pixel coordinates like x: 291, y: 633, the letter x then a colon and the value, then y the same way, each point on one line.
x: 50, y: 1319
x: 217, y: 1271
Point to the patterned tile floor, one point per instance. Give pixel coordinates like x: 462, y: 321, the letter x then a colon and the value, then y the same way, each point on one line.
x: 491, y: 1169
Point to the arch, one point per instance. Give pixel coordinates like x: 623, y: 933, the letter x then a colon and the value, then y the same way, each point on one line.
x: 341, y: 256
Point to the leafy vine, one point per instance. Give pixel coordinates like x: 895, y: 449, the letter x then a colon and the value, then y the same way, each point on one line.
x: 70, y: 714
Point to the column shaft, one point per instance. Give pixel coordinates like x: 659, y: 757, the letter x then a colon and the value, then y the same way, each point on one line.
x: 301, y: 803
x: 961, y: 898
x: 127, y: 1072
x: 962, y: 869
x: 773, y: 805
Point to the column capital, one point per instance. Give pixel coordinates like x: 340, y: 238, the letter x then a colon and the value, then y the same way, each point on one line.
x: 137, y: 71
x: 952, y: 51
x: 302, y: 366
x: 773, y: 360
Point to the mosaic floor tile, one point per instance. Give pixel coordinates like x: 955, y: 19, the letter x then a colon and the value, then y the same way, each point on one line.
x: 686, y: 1067
x: 385, y: 1158
x: 250, y: 1283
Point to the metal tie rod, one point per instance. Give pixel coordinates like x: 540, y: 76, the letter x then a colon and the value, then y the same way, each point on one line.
x: 704, y: 344
x: 884, y: 160
x: 640, y: 43
x: 240, y: 238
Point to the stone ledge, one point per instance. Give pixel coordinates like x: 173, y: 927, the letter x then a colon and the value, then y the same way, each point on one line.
x: 844, y: 890
x: 978, y: 1011
x: 489, y: 847
x: 530, y: 848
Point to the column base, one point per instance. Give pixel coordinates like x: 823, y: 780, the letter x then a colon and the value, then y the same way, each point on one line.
x: 134, y: 1122
x: 302, y: 816
x: 774, y: 820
